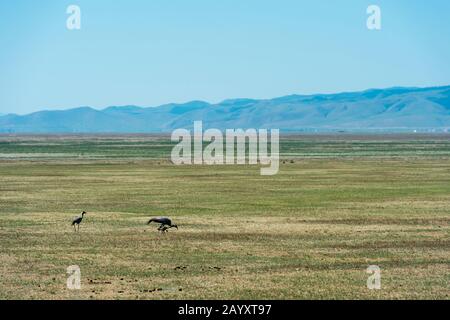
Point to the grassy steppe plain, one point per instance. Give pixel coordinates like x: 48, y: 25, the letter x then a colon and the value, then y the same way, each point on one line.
x: 338, y: 205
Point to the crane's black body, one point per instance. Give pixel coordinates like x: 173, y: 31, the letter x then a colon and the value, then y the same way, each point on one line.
x: 166, y: 223
x: 76, y: 222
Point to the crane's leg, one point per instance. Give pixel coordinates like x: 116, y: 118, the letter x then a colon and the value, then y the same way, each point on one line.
x: 163, y: 229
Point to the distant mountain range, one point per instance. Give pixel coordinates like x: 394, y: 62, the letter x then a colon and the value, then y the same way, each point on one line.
x: 393, y: 109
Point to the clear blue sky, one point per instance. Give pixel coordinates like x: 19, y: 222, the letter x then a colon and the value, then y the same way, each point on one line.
x: 150, y: 52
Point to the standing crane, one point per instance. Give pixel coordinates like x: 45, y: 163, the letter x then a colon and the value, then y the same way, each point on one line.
x: 166, y: 223
x: 76, y: 221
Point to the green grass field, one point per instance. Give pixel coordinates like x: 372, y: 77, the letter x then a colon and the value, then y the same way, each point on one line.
x: 338, y: 205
